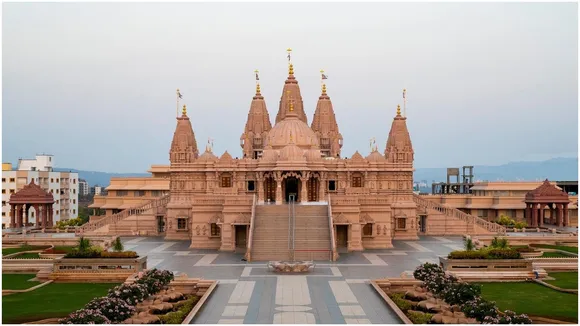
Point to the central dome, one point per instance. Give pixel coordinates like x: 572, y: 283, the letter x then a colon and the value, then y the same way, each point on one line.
x: 291, y: 130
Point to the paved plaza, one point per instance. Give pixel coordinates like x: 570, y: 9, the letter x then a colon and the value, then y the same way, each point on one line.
x: 334, y: 293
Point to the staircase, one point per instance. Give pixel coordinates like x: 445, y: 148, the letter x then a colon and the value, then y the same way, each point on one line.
x: 102, y: 226
x: 270, y: 235
x: 311, y: 233
x: 454, y: 221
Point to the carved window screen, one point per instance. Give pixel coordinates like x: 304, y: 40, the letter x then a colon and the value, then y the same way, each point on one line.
x: 368, y: 230
x: 181, y: 224
x: 401, y: 223
x: 226, y: 181
x: 356, y: 181
x: 215, y: 230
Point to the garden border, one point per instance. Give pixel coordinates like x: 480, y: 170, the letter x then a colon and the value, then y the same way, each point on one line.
x: 200, y: 303
x: 8, y: 292
x: 553, y: 287
x: 391, y: 303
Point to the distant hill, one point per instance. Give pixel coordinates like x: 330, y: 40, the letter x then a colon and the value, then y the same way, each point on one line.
x: 100, y: 178
x: 558, y: 169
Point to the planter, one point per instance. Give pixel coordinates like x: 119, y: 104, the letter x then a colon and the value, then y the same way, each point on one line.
x: 291, y: 267
x: 104, y: 270
x: 490, y: 269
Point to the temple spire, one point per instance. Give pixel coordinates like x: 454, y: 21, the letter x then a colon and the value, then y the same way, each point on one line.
x: 257, y: 126
x: 324, y: 123
x: 399, y: 148
x: 291, y: 90
x: 184, y: 110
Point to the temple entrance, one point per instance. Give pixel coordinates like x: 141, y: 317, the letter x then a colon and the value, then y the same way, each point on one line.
x: 341, y: 238
x: 422, y: 223
x: 313, y: 188
x: 160, y: 224
x: 291, y: 187
x: 241, y: 238
x: 270, y: 190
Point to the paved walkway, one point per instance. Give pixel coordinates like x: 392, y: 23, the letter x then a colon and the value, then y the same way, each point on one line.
x: 334, y: 293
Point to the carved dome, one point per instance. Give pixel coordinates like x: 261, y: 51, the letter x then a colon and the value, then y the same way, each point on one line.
x: 313, y: 155
x: 207, y: 156
x: 291, y: 129
x: 292, y: 153
x: 375, y: 156
x: 269, y: 155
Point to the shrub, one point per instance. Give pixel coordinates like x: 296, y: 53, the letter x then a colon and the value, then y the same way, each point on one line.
x: 508, y: 317
x: 476, y: 254
x: 427, y: 269
x: 435, y: 279
x: 116, y: 310
x: 458, y: 293
x: 92, y: 252
x: 505, y: 220
x: 479, y: 308
x: 84, y: 244
x: 118, y: 245
x: 469, y: 246
x: 124, y: 254
x: 398, y: 299
x: 130, y: 293
x: 418, y: 317
x: 520, y: 225
x: 503, y: 254
x: 155, y: 279
x: 179, y: 315
x: 525, y: 249
x: 85, y: 316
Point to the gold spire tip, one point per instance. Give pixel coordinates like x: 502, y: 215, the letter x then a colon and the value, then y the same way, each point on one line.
x: 184, y: 110
x: 257, y: 88
x: 291, y: 69
x: 291, y: 106
x: 323, y: 88
x: 288, y: 50
x: 398, y: 109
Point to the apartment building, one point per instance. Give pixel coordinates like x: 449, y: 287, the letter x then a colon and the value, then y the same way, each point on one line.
x: 64, y: 186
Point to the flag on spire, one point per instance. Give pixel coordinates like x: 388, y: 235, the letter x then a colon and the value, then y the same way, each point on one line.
x: 404, y: 93
x: 257, y: 77
x: 324, y: 76
x: 179, y: 94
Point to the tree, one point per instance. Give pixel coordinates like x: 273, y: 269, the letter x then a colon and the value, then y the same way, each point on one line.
x: 118, y: 246
x: 84, y: 244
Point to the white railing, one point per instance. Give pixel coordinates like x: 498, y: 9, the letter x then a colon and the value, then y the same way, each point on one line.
x: 252, y: 225
x: 455, y: 213
x: 331, y: 227
x: 137, y: 210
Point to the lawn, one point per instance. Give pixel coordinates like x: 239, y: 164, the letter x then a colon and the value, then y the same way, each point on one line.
x: 8, y: 251
x: 563, y: 248
x: 564, y: 280
x: 18, y: 281
x: 50, y: 301
x: 549, y: 254
x: 532, y: 299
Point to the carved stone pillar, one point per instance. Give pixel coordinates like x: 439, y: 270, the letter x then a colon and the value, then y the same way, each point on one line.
x: 279, y: 199
x: 559, y: 219
x: 260, y: 181
x: 355, y: 237
x: 227, y: 232
x: 19, y: 215
x: 552, y: 213
x: 12, y: 216
x: 542, y: 214
x: 566, y: 217
x: 304, y: 190
x: 528, y: 214
x: 534, y: 215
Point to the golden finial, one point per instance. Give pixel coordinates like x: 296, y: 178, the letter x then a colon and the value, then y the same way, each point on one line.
x: 291, y: 139
x: 398, y: 109
x: 291, y: 69
x: 184, y: 110
x: 258, y: 88
x: 291, y: 106
x: 323, y: 88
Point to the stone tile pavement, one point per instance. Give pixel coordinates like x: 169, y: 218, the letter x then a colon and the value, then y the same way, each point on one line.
x: 334, y: 293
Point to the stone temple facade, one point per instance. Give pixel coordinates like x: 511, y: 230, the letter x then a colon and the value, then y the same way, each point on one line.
x: 291, y: 195
x: 212, y: 198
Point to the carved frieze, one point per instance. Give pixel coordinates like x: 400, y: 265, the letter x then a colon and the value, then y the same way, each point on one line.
x: 340, y: 219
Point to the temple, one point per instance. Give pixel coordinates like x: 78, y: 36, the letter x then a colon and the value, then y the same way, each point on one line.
x: 291, y: 195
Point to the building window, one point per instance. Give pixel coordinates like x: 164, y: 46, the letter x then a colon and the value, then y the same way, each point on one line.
x: 3, y: 191
x: 121, y: 193
x: 3, y: 179
x: 181, y: 224
x: 57, y: 201
x: 74, y: 201
x: 74, y: 211
x: 11, y: 191
x: 215, y: 230
x: 251, y: 185
x: 226, y: 181
x: 401, y: 223
x: 12, y: 180
x: 155, y: 193
x: 74, y: 191
x: 3, y: 214
x: 356, y: 180
x: 31, y: 214
x: 57, y: 212
x: 331, y: 185
x: 368, y: 230
x: 75, y: 181
x: 57, y: 180
x: 52, y: 180
x: 139, y: 193
x: 3, y: 203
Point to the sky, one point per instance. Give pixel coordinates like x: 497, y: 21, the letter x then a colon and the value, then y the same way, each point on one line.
x: 94, y: 83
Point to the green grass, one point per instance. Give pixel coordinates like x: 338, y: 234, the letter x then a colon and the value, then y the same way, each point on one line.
x: 18, y: 281
x: 532, y: 299
x: 548, y: 254
x: 27, y: 255
x: 55, y: 300
x: 563, y: 248
x: 8, y: 251
x: 564, y: 280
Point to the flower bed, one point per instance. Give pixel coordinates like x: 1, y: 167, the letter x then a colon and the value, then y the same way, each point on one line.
x: 145, y: 301
x: 444, y: 300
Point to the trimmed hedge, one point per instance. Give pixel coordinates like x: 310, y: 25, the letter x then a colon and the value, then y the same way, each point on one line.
x: 461, y: 254
x: 485, y: 254
x: 418, y: 317
x: 503, y: 254
x: 123, y: 254
x: 177, y: 317
x: 399, y: 300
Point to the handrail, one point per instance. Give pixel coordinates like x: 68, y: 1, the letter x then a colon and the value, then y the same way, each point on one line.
x: 492, y: 227
x: 289, y: 224
x: 136, y: 210
x: 251, y: 236
x: 293, y: 229
x: 332, y: 243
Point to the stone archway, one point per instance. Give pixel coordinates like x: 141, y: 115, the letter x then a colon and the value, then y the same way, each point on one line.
x: 270, y: 189
x: 291, y: 187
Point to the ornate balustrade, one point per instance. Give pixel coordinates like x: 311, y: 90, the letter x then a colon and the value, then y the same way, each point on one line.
x: 455, y: 213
